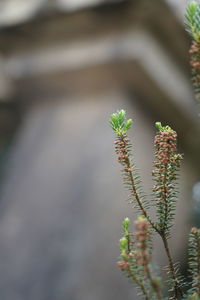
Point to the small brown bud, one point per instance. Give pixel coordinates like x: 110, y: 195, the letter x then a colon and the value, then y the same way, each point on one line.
x: 194, y: 230
x: 123, y: 265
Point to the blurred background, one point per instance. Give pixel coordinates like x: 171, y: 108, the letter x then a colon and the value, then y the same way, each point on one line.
x: 65, y: 66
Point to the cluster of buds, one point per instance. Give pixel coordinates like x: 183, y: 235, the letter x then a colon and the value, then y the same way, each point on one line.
x: 195, y: 65
x: 123, y: 265
x: 166, y: 144
x: 121, y: 150
x: 194, y: 230
x: 122, y: 147
x: 120, y: 126
x: 125, y: 246
x: 141, y: 253
x: 167, y: 161
x: 119, y: 123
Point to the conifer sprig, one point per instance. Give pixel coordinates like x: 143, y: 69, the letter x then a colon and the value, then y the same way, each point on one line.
x: 192, y: 25
x: 128, y: 263
x: 192, y: 20
x: 165, y: 175
x: 194, y: 261
x: 136, y: 258
x: 166, y: 166
x: 131, y: 178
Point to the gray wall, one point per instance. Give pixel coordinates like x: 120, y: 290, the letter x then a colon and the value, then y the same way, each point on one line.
x: 62, y: 202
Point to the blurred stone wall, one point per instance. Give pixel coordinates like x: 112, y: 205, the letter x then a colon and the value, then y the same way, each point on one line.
x: 62, y: 201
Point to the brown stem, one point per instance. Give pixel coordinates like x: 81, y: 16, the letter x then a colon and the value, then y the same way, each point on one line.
x: 139, y: 283
x: 177, y: 289
x: 153, y: 283
x: 165, y: 197
x: 133, y: 187
x: 129, y: 242
x: 144, y: 212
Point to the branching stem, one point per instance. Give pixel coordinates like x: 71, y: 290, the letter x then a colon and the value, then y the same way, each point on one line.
x: 144, y: 212
x: 177, y: 289
x: 135, y: 193
x: 140, y: 284
x: 153, y: 284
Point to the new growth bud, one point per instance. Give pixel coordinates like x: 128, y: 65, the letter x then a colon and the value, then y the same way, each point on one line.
x: 119, y: 123
x: 159, y: 126
x: 125, y: 225
x: 123, y: 242
x: 123, y: 265
x: 128, y: 124
x: 192, y: 6
x: 192, y: 23
x: 194, y: 230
